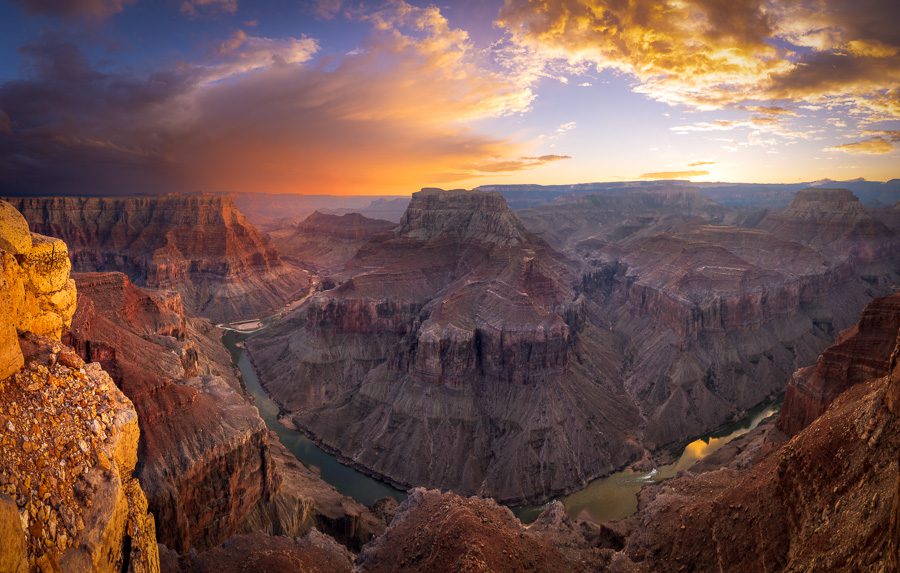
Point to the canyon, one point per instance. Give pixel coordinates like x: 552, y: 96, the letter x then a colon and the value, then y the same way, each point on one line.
x: 513, y: 355
x: 199, y: 246
x: 501, y: 348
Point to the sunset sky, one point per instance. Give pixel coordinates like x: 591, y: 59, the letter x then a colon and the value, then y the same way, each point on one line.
x: 331, y: 97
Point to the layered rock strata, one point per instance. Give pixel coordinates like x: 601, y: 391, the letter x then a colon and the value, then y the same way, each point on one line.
x: 69, y: 437
x: 715, y: 317
x: 436, y: 531
x: 457, y: 341
x: 863, y: 352
x: 200, y: 246
x: 209, y: 465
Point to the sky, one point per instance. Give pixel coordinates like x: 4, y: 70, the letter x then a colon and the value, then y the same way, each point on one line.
x: 374, y: 98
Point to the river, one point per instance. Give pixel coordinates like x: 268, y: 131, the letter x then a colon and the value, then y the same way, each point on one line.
x: 611, y: 497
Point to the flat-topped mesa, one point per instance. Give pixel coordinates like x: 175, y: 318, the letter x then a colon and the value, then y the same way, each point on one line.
x: 349, y: 226
x: 829, y: 219
x: 460, y: 215
x: 199, y: 245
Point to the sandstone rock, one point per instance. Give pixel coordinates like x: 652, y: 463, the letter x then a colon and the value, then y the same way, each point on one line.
x: 862, y: 353
x: 825, y: 500
x: 14, y: 235
x: 73, y: 514
x: 258, y: 552
x: 327, y: 242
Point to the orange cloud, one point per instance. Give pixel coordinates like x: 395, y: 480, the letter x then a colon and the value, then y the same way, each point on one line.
x: 883, y: 142
x: 518, y: 164
x: 701, y: 163
x: 710, y: 54
x: 390, y: 117
x: 674, y: 174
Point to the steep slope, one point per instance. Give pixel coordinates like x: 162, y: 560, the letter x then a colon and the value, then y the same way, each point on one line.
x: 861, y: 353
x: 827, y: 500
x: 327, y: 242
x: 69, y: 437
x: 458, y: 340
x: 201, y: 246
x: 208, y: 463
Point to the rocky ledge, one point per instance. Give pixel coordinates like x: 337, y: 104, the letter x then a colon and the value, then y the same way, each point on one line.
x: 69, y: 437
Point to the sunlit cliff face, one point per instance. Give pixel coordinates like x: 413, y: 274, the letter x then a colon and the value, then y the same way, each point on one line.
x: 385, y: 97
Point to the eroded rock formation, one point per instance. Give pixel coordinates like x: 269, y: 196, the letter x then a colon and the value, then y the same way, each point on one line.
x: 209, y: 465
x: 458, y: 342
x: 68, y: 500
x: 436, y: 531
x: 200, y: 246
x: 861, y: 353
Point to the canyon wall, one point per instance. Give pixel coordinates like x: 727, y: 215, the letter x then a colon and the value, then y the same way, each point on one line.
x: 209, y: 465
x: 200, y: 246
x: 326, y: 242
x: 826, y: 500
x: 68, y: 500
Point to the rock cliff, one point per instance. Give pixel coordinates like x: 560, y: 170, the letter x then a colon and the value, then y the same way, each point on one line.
x: 68, y: 500
x: 714, y: 316
x: 208, y: 464
x: 200, y: 246
x: 863, y: 352
x: 458, y: 340
x: 827, y: 500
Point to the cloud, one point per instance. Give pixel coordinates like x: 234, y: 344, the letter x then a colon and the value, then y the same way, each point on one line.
x: 261, y: 114
x: 673, y: 174
x: 197, y: 7
x: 701, y: 163
x: 518, y: 164
x: 327, y: 9
x: 709, y: 54
x: 883, y: 142
x: 90, y: 9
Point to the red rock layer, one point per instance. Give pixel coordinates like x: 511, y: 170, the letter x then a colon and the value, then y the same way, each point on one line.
x: 862, y: 353
x: 457, y: 340
x: 327, y: 242
x: 198, y: 245
x: 827, y: 500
